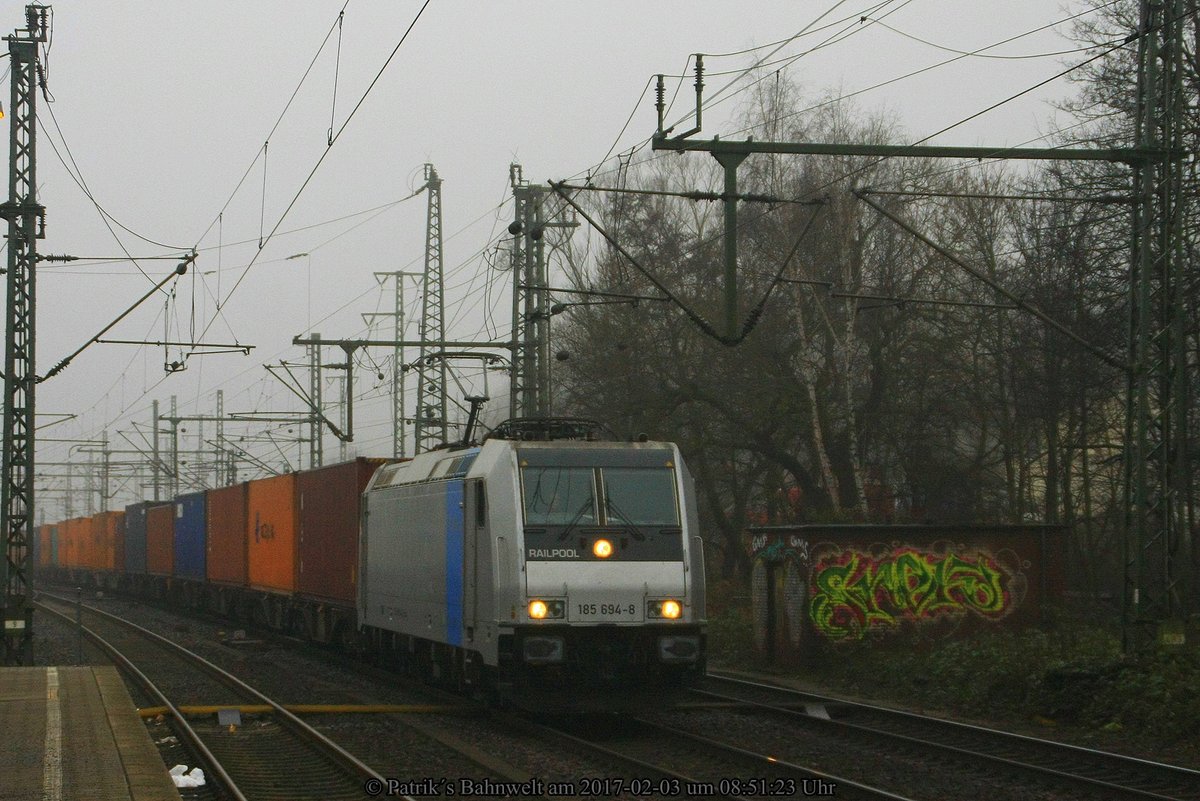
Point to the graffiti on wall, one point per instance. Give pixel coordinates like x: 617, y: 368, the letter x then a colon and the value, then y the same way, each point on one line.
x: 764, y: 548
x: 792, y: 552
x: 854, y: 592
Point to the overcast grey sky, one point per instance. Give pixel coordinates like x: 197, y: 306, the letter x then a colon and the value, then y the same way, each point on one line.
x: 165, y: 105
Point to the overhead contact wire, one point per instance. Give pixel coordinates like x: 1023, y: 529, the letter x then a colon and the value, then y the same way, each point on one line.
x: 792, y: 59
x: 337, y: 65
x: 320, y: 161
x: 262, y: 212
x: 76, y: 175
x: 999, y: 151
x: 275, y: 127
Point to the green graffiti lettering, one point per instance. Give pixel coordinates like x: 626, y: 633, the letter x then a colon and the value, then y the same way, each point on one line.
x: 974, y: 586
x: 839, y: 608
x: 852, y: 591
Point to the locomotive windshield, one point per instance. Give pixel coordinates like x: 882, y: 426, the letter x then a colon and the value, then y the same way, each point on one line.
x: 575, y: 497
x: 633, y: 496
x: 640, y: 496
x: 559, y: 496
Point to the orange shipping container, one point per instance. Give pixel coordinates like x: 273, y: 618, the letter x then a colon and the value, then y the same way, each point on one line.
x: 83, y: 542
x: 104, y: 532
x: 95, y: 540
x: 64, y: 543
x: 79, y: 541
x: 74, y: 530
x: 86, y: 541
x: 226, y: 540
x: 98, y: 554
x: 66, y: 537
x: 160, y: 540
x: 271, y: 513
x: 43, y: 552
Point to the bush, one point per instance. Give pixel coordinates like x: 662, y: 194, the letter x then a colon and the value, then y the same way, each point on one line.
x: 1069, y: 673
x: 730, y: 628
x: 988, y: 673
x: 1159, y: 692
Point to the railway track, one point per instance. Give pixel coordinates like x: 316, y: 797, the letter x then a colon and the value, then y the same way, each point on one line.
x: 660, y: 761
x: 411, y: 745
x: 630, y: 759
x: 1098, y: 774
x: 277, y: 758
x: 641, y: 758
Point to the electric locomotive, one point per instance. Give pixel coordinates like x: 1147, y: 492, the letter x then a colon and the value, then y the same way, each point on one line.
x: 544, y: 566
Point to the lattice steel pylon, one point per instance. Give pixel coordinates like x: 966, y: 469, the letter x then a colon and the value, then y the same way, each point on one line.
x: 399, y: 404
x: 530, y: 299
x: 26, y: 224
x: 398, y: 449
x: 1159, y: 589
x: 430, y: 429
x: 530, y: 392
x: 316, y: 451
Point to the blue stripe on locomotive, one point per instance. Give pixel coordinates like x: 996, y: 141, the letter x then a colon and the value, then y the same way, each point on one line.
x: 454, y: 561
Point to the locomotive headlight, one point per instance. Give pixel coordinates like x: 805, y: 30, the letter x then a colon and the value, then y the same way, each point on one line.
x: 554, y: 609
x: 668, y: 609
x: 602, y: 548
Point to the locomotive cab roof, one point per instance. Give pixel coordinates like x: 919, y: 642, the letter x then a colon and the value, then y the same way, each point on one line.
x: 545, y: 429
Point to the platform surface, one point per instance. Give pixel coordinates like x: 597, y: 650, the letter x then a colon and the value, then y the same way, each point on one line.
x: 73, y: 733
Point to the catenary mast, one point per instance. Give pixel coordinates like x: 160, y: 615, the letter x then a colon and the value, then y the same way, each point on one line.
x: 26, y: 224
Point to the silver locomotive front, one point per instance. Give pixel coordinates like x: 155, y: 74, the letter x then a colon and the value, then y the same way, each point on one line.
x: 613, y: 570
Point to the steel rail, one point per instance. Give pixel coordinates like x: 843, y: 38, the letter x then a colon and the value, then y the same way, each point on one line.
x: 179, y: 721
x: 1068, y: 754
x: 765, y: 760
x: 339, y: 755
x: 441, y: 701
x: 773, y: 764
x: 555, y: 734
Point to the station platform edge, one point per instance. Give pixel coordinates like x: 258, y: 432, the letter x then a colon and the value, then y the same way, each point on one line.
x: 74, y: 733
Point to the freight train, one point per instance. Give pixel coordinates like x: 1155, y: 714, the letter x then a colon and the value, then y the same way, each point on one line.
x: 543, y: 566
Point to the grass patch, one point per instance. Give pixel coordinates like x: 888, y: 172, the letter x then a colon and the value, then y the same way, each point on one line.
x: 1158, y: 693
x: 1068, y: 673
x: 1071, y: 672
x: 730, y: 625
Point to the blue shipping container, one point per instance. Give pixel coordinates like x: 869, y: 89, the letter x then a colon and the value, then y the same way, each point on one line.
x: 191, y: 520
x: 135, y: 538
